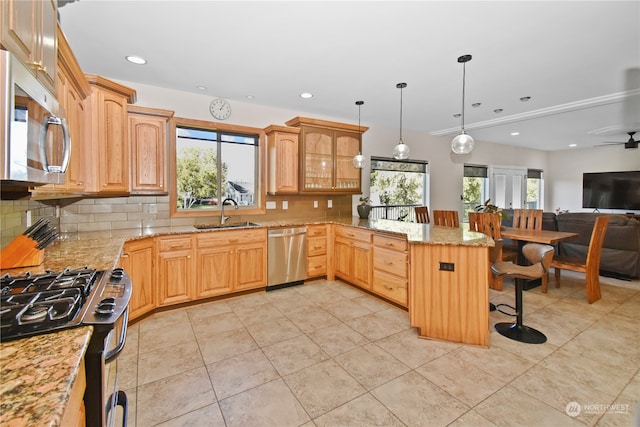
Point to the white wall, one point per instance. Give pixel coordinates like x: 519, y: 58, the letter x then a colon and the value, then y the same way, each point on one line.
x: 563, y: 169
x: 567, y: 166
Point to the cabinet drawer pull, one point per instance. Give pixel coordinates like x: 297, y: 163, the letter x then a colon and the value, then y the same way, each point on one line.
x: 388, y: 288
x: 388, y: 262
x: 388, y: 244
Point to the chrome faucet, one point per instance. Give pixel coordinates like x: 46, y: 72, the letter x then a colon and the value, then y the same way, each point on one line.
x: 223, y: 218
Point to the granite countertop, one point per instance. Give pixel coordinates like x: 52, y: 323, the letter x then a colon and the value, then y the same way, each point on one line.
x: 37, y: 375
x: 101, y: 249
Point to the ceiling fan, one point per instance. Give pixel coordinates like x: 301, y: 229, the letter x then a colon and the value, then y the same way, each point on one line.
x: 631, y: 143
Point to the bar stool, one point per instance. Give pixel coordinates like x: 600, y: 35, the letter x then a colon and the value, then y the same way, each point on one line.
x: 540, y: 257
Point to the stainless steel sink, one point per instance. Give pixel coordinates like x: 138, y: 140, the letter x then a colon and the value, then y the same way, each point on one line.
x: 230, y: 225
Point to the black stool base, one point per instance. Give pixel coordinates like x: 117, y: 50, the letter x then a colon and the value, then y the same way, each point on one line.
x: 521, y: 333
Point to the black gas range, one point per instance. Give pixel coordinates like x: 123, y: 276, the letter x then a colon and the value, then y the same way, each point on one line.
x: 35, y: 304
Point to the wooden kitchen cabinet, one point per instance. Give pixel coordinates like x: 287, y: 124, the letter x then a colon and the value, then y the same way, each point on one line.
x: 175, y: 269
x: 230, y: 261
x: 29, y: 31
x: 391, y: 267
x: 326, y: 156
x: 138, y: 261
x: 109, y: 135
x: 352, y: 255
x: 316, y: 250
x: 148, y: 146
x: 282, y: 148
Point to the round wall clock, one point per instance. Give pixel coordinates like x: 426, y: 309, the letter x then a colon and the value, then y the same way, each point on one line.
x: 220, y: 109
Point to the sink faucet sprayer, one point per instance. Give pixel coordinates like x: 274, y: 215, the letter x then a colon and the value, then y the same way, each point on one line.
x: 223, y: 218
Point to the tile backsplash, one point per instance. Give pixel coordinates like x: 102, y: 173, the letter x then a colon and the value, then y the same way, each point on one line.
x: 139, y: 212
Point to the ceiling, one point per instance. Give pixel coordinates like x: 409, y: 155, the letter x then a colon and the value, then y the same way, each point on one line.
x: 578, y: 61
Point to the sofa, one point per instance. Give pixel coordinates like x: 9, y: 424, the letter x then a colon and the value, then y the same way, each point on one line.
x: 620, y: 250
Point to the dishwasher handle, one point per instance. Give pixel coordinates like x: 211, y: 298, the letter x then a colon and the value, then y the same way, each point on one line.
x: 287, y: 234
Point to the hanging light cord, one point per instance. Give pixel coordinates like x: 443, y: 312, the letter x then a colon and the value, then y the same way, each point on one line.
x: 464, y: 71
x: 401, y: 113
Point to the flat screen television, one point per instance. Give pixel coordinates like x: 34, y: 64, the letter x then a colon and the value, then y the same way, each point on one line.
x: 611, y: 190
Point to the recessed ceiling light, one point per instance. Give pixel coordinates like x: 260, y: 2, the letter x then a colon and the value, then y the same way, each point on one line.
x: 201, y: 87
x: 476, y: 104
x: 515, y: 133
x: 306, y: 95
x: 573, y: 145
x: 498, y: 110
x: 136, y: 59
x: 525, y: 98
x: 250, y: 96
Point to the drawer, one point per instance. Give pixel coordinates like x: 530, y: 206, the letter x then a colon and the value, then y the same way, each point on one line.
x: 392, y: 262
x: 393, y: 243
x: 316, y: 230
x: 169, y: 244
x: 390, y: 287
x: 316, y: 246
x: 354, y: 233
x: 317, y: 266
x: 226, y: 238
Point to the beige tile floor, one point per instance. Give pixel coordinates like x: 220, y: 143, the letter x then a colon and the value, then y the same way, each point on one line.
x: 326, y: 354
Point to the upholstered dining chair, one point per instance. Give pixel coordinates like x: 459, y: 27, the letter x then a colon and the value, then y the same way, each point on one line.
x: 422, y: 214
x: 527, y: 218
x: 489, y: 224
x: 590, y: 267
x: 539, y: 256
x: 445, y: 218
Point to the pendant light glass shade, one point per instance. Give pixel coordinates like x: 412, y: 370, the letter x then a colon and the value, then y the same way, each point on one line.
x: 401, y: 151
x: 463, y: 143
x: 358, y: 159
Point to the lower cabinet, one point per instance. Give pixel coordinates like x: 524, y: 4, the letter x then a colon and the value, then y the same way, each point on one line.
x: 352, y: 255
x: 138, y: 260
x: 316, y: 250
x: 391, y: 268
x: 175, y: 269
x: 230, y: 261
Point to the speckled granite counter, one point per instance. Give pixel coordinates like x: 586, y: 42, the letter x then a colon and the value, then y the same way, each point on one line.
x: 37, y: 376
x: 101, y: 249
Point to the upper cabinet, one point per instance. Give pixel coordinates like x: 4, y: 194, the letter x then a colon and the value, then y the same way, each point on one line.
x: 109, y: 135
x: 326, y: 156
x: 282, y: 146
x: 148, y: 147
x: 29, y: 31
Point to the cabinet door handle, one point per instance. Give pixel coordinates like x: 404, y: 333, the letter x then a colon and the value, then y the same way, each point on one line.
x: 388, y: 262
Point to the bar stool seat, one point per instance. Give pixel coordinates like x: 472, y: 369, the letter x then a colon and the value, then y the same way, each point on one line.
x: 540, y: 257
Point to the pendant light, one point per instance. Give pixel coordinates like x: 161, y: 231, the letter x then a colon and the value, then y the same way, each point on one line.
x: 463, y: 143
x: 401, y: 151
x: 358, y: 159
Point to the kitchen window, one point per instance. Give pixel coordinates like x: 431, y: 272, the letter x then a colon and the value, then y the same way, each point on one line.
x: 213, y: 162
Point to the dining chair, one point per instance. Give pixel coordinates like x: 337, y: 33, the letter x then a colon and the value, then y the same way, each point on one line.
x: 590, y: 266
x: 489, y: 224
x: 527, y: 218
x: 539, y: 256
x: 446, y: 218
x: 422, y: 214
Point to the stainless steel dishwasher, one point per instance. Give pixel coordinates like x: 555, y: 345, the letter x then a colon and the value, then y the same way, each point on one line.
x: 287, y: 257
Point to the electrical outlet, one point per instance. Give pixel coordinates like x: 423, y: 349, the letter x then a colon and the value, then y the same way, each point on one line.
x: 28, y: 219
x: 329, y: 203
x: 153, y: 208
x: 285, y: 205
x: 315, y: 203
x: 271, y: 204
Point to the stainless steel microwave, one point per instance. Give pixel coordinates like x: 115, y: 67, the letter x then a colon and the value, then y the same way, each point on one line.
x: 36, y: 145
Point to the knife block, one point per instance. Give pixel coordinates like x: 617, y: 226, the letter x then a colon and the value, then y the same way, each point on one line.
x: 21, y: 252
